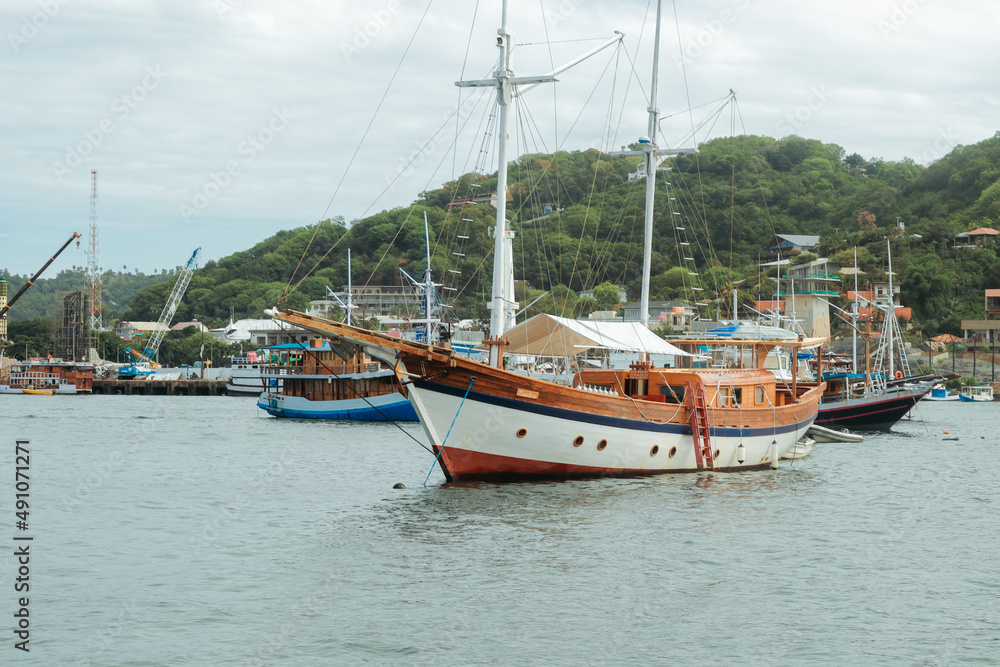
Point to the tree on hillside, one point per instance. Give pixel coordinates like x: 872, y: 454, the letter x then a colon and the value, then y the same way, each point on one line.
x: 607, y: 296
x: 866, y: 221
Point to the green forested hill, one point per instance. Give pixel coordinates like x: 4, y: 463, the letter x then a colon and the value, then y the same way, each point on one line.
x: 578, y: 224
x: 118, y: 289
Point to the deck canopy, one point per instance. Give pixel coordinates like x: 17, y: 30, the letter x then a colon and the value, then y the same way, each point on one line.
x: 548, y: 335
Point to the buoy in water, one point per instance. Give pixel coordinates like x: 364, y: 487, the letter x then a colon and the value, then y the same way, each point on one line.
x: 946, y: 431
x: 399, y: 485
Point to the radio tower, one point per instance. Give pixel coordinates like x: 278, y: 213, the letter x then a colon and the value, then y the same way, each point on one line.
x: 93, y: 270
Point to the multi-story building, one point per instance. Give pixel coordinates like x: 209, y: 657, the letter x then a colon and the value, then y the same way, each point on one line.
x: 382, y: 301
x: 984, y: 333
x: 675, y: 314
x: 806, y: 289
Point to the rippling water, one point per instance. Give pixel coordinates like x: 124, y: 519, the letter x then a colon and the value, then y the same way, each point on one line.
x: 192, y: 531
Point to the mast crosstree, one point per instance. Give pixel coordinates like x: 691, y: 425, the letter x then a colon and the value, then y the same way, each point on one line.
x: 502, y: 303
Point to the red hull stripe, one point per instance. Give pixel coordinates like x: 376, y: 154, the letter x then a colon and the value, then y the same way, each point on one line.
x: 464, y: 465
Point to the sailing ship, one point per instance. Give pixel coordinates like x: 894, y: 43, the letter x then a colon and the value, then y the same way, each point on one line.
x: 485, y: 422
x: 884, y: 391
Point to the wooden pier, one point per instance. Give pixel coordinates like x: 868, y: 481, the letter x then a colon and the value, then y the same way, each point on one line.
x: 161, y: 387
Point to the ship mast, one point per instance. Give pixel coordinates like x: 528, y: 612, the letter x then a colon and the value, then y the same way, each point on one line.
x: 502, y: 303
x: 651, y: 165
x: 429, y: 282
x: 889, y: 330
x: 652, y: 156
x: 349, y: 305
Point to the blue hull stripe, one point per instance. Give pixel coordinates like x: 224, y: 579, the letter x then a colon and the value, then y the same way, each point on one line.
x: 604, y: 420
x: 395, y: 411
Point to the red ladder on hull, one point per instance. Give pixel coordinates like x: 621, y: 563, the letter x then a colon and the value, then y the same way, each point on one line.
x: 699, y: 426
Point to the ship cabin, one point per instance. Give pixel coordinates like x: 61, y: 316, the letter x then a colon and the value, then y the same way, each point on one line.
x: 734, y: 374
x: 317, y: 372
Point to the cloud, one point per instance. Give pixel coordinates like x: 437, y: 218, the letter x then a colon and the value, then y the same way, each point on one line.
x: 226, y: 67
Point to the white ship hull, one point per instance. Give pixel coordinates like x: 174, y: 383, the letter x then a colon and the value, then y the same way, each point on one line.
x: 485, y: 438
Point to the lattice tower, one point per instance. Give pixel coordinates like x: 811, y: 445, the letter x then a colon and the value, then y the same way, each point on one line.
x: 93, y: 269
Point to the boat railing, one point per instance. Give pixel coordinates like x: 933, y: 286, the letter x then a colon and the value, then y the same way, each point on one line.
x: 37, y: 376
x: 346, y: 369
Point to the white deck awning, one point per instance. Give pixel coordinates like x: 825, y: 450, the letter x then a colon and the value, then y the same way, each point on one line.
x: 548, y: 335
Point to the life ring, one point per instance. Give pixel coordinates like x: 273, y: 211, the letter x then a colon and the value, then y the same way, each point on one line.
x: 899, y: 375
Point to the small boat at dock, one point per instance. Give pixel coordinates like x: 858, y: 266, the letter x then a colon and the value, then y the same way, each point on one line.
x: 982, y: 393
x: 802, y: 448
x: 824, y: 434
x: 939, y: 393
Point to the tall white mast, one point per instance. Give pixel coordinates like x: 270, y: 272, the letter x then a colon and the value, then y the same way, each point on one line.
x: 428, y: 283
x: 854, y: 317
x: 651, y: 160
x: 348, y: 305
x: 651, y: 165
x: 502, y: 302
x: 889, y: 330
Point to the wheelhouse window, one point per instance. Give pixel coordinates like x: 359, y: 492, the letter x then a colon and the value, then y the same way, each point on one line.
x: 672, y: 393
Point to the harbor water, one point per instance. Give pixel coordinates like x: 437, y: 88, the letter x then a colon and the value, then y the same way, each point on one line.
x: 198, y: 531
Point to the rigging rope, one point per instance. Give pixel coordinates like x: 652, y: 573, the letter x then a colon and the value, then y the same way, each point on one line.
x: 287, y: 291
x: 443, y: 442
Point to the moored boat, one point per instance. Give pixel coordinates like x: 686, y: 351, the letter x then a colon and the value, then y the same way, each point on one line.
x: 245, y: 375
x: 824, y: 434
x: 850, y: 402
x: 803, y: 448
x: 49, y: 376
x: 315, y: 383
x: 485, y: 422
x: 976, y: 394
x: 939, y: 393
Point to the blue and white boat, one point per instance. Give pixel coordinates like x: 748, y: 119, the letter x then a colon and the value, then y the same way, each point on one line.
x: 978, y: 394
x: 313, y: 382
x: 939, y: 393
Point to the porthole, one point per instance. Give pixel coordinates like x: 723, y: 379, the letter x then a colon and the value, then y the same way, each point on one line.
x: 655, y: 450
x: 715, y: 455
x: 673, y: 451
x: 578, y: 441
x: 521, y: 432
x: 601, y: 445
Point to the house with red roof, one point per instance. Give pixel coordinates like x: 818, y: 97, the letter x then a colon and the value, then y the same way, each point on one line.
x: 983, y: 237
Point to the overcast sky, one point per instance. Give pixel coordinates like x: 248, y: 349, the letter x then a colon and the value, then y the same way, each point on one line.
x: 216, y: 123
